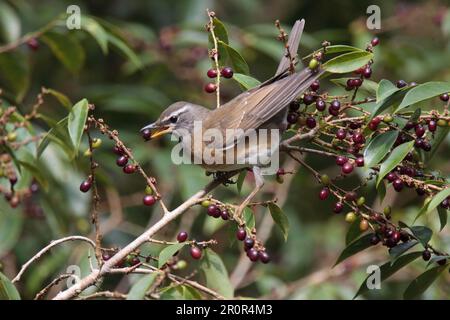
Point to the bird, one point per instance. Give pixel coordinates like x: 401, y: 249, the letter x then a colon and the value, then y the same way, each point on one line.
x: 258, y: 109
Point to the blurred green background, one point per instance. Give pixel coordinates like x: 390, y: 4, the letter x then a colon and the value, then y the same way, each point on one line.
x: 169, y: 40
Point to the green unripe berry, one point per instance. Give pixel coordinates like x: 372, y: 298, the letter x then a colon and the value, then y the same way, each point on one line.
x: 148, y: 190
x: 388, y: 118
x: 279, y: 179
x: 87, y: 153
x: 96, y: 143
x: 350, y: 217
x: 387, y: 210
x: 441, y: 123
x: 360, y: 202
x: 181, y: 265
x: 325, y: 179
x: 313, y: 63
x: 12, y: 136
x: 363, y: 225
x: 206, y: 203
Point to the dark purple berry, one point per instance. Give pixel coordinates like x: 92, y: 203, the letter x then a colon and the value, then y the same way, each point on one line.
x: 315, y: 85
x: 401, y: 84
x: 227, y: 72
x: 129, y: 169
x: 338, y: 207
x: 241, y: 234
x: 398, y: 185
x: 441, y: 262
x: 248, y: 243
x: 335, y: 104
x: 333, y: 112
x: 375, y: 41
x: 253, y: 255
x: 146, y: 134
x: 359, y: 162
x: 341, y: 134
x: 320, y: 105
x: 210, y: 87
x: 212, y: 73
x: 224, y: 215
x: 420, y: 130
x: 310, y: 122
x: 292, y: 117
x: 122, y: 161
x: 374, y: 240
x: 182, y: 236
x: 341, y: 160
x: 426, y: 255
x: 444, y: 97
x: 264, y: 257
x: 367, y: 73
x: 432, y: 125
x: 308, y: 99
x: 86, y: 185
x: 358, y: 138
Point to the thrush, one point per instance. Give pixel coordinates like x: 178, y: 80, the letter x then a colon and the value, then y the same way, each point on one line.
x: 257, y: 110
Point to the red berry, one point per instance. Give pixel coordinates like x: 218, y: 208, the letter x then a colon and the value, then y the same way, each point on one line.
x: 391, y: 176
x: 149, y: 200
x: 420, y: 130
x: 129, y: 169
x: 33, y: 44
x: 241, y: 234
x: 224, y: 214
x: 210, y: 87
x: 398, y: 185
x: 347, y: 168
x: 227, y: 72
x: 264, y: 257
x: 310, y: 122
x: 13, y: 180
x: 333, y: 112
x: 253, y: 255
x: 214, y: 211
x: 338, y: 207
x: 341, y: 160
x: 86, y: 185
x: 375, y: 41
x: 281, y: 172
x: 196, y: 253
x: 122, y: 161
x: 358, y: 137
x: 351, y: 196
x: 182, y: 236
x: 315, y: 85
x: 146, y: 134
x: 212, y: 73
x: 324, y: 193
x: 341, y: 134
x: 396, y: 236
x: 444, y: 97
x: 359, y: 161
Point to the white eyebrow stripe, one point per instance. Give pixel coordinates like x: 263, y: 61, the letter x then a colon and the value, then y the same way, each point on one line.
x: 176, y: 113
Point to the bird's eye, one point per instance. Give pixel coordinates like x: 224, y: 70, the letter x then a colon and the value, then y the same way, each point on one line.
x: 173, y: 119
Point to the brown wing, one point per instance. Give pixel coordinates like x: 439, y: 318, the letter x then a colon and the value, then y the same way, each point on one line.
x: 254, y: 107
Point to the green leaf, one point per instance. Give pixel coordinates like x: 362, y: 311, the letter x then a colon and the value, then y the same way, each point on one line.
x: 168, y: 252
x: 216, y: 274
x: 96, y: 31
x: 367, y: 86
x: 353, y: 232
x: 388, y: 269
x: 7, y: 290
x: 240, y: 180
x: 443, y: 215
x: 347, y: 62
x: 399, y: 249
x: 138, y: 290
x: 385, y: 89
x: 125, y: 50
x: 392, y: 100
x: 437, y: 199
x: 422, y: 233
x: 237, y: 61
x: 220, y: 31
x: 58, y: 134
x: 280, y: 218
x: 249, y: 218
x: 338, y: 49
x: 246, y: 81
x: 422, y: 282
x: 424, y: 92
x: 14, y: 75
x: 66, y: 48
x: 397, y: 155
x: 379, y: 147
x: 62, y: 98
x: 381, y: 190
x: 11, y: 224
x: 77, y: 121
x: 353, y: 248
x: 9, y: 23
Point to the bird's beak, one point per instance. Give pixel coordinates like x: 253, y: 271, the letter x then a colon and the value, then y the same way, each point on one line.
x: 157, y: 130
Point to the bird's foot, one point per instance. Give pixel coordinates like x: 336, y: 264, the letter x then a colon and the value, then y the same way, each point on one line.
x: 222, y: 176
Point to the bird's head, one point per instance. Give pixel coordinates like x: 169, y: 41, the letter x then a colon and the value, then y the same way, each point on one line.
x: 178, y: 116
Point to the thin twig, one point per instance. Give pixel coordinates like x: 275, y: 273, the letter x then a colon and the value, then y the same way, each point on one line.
x: 215, y: 54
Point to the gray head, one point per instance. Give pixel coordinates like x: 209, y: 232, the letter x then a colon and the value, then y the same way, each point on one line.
x: 179, y: 115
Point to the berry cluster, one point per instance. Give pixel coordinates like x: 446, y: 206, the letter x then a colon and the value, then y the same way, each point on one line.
x: 226, y: 72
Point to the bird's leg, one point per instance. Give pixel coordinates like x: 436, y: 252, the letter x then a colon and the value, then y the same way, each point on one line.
x: 259, y: 183
x: 221, y: 175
